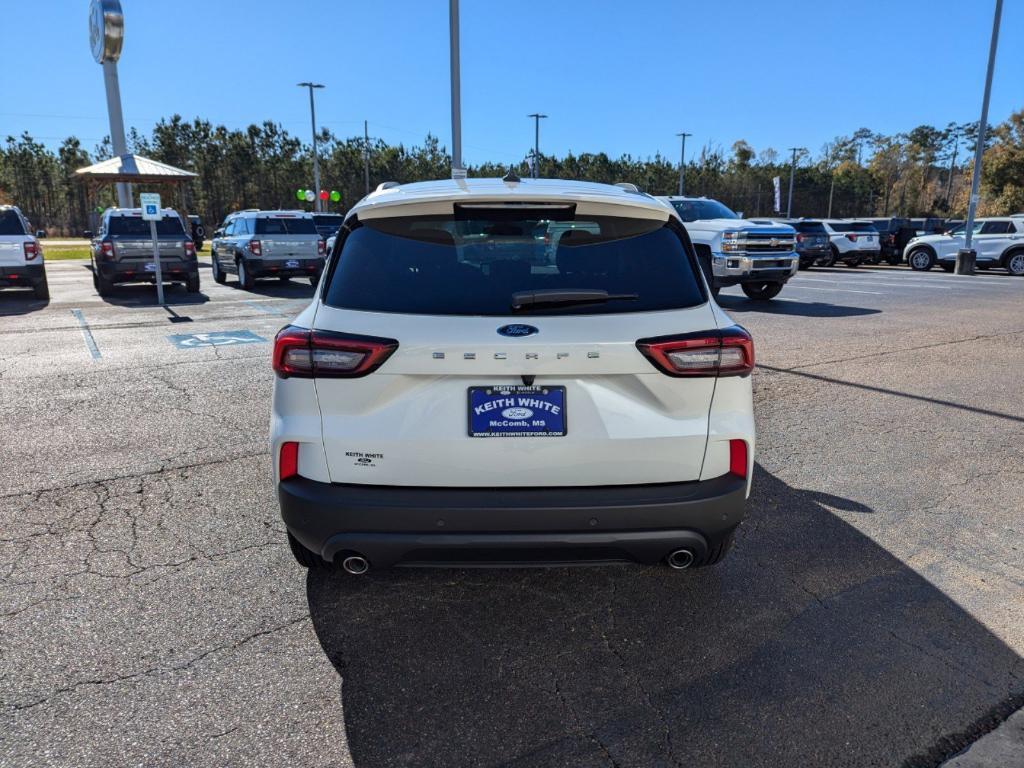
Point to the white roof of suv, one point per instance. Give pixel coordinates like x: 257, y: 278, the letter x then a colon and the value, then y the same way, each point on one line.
x: 429, y: 197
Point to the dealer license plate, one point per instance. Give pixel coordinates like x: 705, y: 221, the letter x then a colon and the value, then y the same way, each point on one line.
x: 517, y: 411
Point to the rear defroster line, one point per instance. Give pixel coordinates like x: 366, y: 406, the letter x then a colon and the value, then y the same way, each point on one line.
x: 90, y: 342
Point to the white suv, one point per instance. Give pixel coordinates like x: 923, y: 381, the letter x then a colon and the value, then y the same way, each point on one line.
x: 998, y: 242
x: 853, y: 242
x: 512, y: 372
x: 21, y: 257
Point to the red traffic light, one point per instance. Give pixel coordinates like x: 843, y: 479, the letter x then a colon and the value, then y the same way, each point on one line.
x: 323, y: 194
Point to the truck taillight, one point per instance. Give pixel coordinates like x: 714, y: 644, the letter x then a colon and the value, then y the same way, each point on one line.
x: 728, y: 352
x: 307, y: 354
x: 255, y: 248
x: 31, y: 250
x: 321, y: 248
x: 288, y: 462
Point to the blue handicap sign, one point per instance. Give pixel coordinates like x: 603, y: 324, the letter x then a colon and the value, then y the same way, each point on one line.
x: 151, y: 210
x: 214, y: 339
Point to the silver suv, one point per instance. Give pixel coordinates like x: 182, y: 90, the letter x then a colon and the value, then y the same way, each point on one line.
x: 122, y: 251
x: 254, y: 244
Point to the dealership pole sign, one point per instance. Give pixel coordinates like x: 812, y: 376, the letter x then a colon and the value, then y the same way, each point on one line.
x: 106, y: 37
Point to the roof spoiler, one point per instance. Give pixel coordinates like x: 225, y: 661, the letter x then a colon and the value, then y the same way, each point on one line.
x: 386, y: 185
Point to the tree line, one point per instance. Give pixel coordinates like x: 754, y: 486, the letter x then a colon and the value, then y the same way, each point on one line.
x: 923, y: 172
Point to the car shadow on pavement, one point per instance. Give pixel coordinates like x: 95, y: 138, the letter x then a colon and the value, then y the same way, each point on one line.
x: 297, y: 288
x: 809, y: 645
x: 20, y: 302
x: 795, y: 308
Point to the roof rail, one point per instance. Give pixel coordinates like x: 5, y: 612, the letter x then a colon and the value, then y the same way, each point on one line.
x: 628, y: 187
x: 386, y: 185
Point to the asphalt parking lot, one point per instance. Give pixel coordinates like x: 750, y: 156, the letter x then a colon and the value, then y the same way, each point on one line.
x: 869, y: 614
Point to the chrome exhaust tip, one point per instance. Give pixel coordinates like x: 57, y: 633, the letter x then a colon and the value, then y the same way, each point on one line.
x: 355, y: 564
x: 680, y: 559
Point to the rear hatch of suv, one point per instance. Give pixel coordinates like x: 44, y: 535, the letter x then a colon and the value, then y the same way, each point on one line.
x: 287, y: 236
x: 132, y: 241
x: 12, y: 239
x: 511, y: 359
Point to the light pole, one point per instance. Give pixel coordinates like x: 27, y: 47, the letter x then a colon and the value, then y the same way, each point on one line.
x: 106, y: 36
x: 316, y: 158
x: 537, y: 117
x: 792, y: 171
x: 966, y: 257
x: 458, y: 172
x: 682, y: 160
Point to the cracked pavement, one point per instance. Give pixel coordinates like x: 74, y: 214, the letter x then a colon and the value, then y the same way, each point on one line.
x: 869, y: 614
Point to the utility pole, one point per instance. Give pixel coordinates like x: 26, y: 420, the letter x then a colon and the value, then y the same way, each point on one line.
x: 537, y: 117
x: 952, y: 165
x: 366, y: 155
x: 966, y: 257
x: 458, y: 172
x: 106, y: 37
x: 317, y: 206
x: 682, y: 161
x: 792, y: 172
x: 831, y: 190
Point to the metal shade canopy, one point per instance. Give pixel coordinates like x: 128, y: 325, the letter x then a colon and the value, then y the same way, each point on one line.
x: 134, y: 169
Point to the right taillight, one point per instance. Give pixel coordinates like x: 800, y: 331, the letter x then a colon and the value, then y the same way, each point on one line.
x: 728, y: 352
x: 306, y: 354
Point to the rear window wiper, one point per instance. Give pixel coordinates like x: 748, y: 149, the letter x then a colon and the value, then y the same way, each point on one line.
x: 561, y: 297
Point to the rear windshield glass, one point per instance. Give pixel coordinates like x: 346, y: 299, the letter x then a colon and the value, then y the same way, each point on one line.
x: 10, y: 223
x: 852, y: 226
x: 809, y: 227
x: 328, y: 219
x: 296, y: 226
x: 698, y: 210
x: 438, y: 265
x: 136, y: 225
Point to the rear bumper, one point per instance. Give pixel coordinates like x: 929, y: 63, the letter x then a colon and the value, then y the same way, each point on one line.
x: 280, y: 268
x: 511, y: 526
x: 28, y: 274
x: 136, y: 272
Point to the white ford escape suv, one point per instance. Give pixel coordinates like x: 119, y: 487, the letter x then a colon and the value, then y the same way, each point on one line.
x: 497, y: 371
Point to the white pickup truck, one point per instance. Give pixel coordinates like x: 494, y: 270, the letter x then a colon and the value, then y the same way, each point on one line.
x: 21, y: 257
x: 998, y: 242
x: 758, y: 256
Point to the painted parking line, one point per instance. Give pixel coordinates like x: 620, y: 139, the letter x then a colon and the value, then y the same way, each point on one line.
x: 264, y: 308
x: 215, y: 339
x: 874, y: 283
x: 90, y: 342
x: 912, y: 274
x: 837, y: 290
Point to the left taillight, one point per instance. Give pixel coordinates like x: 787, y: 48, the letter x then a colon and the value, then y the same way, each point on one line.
x: 288, y: 462
x: 728, y: 352
x: 306, y: 354
x: 31, y: 249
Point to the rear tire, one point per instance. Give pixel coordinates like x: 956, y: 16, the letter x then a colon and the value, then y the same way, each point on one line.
x: 245, y: 279
x: 1015, y: 264
x: 853, y: 263
x: 314, y: 280
x: 921, y: 259
x: 718, y: 552
x: 305, y: 557
x: 192, y: 284
x: 104, y: 287
x: 42, y: 289
x: 761, y: 291
x: 830, y: 260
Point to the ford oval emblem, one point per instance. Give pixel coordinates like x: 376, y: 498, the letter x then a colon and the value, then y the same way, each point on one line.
x: 517, y: 329
x: 517, y: 413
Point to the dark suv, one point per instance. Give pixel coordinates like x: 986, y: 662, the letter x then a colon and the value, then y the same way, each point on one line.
x: 893, y: 236
x: 122, y: 251
x: 812, y: 240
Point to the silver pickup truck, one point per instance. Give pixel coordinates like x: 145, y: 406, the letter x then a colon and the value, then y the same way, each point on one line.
x: 122, y: 251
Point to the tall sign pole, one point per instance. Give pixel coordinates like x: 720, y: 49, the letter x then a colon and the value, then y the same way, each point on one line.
x: 458, y: 172
x: 682, y: 163
x: 537, y: 117
x: 106, y: 36
x: 966, y: 257
x: 317, y: 205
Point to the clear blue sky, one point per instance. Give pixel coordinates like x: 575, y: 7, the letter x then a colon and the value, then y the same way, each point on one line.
x: 613, y: 75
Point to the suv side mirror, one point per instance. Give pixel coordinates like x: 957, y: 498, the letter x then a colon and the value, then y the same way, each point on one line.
x: 40, y: 233
x: 87, y: 234
x: 218, y: 233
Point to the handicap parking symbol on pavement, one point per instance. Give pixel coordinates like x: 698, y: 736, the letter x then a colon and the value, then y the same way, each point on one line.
x: 214, y: 339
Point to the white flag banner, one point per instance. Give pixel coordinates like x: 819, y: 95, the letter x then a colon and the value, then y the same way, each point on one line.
x: 777, y: 183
